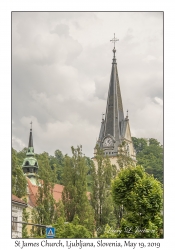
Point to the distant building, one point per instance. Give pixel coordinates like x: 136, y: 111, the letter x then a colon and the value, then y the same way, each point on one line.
x: 115, y: 128
x: 17, y: 208
x: 30, y: 168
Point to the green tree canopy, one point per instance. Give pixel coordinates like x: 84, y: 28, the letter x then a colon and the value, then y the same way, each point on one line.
x: 101, y: 198
x: 75, y: 196
x: 150, y: 156
x: 19, y: 183
x: 47, y: 210
x: 57, y: 163
x: 123, y: 159
x: 71, y: 230
x: 141, y: 197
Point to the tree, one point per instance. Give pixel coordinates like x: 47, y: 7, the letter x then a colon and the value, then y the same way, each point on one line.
x: 71, y: 230
x: 101, y: 198
x: 139, y: 144
x: 21, y: 156
x: 46, y: 211
x: 123, y: 159
x: 141, y: 197
x: 75, y: 196
x: 19, y: 184
x: 25, y: 217
x: 57, y: 163
x: 150, y: 156
x: 89, y: 164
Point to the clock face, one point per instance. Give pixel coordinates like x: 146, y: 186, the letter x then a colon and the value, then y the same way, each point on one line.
x: 108, y: 142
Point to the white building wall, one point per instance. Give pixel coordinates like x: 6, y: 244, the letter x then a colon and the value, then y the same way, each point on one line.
x: 17, y: 212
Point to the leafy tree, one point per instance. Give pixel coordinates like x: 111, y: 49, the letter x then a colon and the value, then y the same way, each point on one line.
x: 69, y: 230
x: 109, y: 232
x: 74, y: 196
x: 101, y: 198
x: 150, y: 156
x: 123, y: 159
x: 154, y: 142
x: 47, y: 210
x: 141, y: 197
x: 19, y: 184
x: 89, y: 179
x: 21, y: 156
x: 57, y: 163
x: 25, y: 217
x: 139, y: 144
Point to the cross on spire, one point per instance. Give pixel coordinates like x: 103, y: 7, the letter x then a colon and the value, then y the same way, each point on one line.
x: 31, y: 124
x: 114, y: 40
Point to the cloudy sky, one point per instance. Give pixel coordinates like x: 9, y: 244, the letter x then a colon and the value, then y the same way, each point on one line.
x: 61, y: 65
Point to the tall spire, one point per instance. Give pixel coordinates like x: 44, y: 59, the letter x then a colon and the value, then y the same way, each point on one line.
x: 114, y: 109
x: 30, y: 164
x: 114, y: 127
x: 30, y: 145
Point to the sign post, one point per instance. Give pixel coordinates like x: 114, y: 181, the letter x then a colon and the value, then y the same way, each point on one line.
x: 50, y: 232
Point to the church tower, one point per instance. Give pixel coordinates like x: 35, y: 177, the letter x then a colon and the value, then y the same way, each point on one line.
x: 30, y: 164
x: 115, y: 127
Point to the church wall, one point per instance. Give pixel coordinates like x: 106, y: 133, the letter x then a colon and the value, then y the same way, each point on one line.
x: 113, y: 161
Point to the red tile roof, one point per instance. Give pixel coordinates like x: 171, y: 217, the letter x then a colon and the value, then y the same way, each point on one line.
x: 16, y: 199
x: 57, y: 193
x: 33, y: 189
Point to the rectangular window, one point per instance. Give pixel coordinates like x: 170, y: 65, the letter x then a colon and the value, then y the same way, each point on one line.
x: 14, y: 224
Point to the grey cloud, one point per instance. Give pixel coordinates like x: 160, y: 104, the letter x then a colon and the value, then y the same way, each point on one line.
x: 60, y: 76
x: 61, y: 30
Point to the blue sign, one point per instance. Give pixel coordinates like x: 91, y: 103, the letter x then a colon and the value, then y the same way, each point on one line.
x: 50, y: 232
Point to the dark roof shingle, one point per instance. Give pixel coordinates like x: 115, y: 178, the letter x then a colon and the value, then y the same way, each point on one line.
x: 16, y: 199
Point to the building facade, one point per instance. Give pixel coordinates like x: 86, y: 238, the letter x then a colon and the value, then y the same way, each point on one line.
x: 17, y: 208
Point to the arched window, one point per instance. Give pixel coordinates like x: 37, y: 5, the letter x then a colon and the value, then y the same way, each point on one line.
x: 27, y: 163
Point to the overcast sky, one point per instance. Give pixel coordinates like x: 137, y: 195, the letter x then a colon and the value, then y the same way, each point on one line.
x: 61, y: 66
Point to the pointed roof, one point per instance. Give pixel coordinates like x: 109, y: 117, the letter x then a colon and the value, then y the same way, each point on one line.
x: 101, y: 132
x: 30, y: 163
x: 115, y: 128
x: 30, y: 139
x: 114, y: 110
